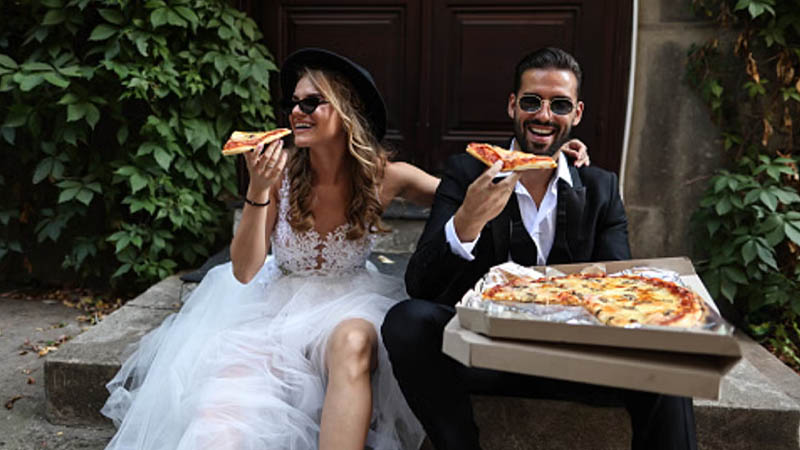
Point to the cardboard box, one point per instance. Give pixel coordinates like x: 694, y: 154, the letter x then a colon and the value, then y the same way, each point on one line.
x: 717, y: 342
x: 663, y: 372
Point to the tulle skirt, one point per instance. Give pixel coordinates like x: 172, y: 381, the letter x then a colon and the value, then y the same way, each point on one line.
x: 243, y: 366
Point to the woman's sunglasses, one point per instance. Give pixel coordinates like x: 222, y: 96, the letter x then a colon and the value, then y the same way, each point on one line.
x: 532, y: 103
x: 308, y: 105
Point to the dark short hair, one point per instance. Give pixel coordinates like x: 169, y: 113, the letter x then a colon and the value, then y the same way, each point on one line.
x: 548, y: 58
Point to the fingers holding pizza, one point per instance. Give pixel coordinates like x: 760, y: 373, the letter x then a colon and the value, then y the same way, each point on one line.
x: 484, y: 200
x: 265, y: 165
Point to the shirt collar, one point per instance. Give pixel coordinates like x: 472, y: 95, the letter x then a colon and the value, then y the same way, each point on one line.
x: 562, y: 171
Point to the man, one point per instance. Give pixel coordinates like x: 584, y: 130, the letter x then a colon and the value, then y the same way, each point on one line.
x: 562, y: 215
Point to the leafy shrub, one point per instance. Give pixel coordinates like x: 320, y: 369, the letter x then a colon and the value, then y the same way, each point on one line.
x: 748, y: 222
x: 113, y: 115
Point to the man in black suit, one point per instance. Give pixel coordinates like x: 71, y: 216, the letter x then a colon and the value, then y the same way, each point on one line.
x: 562, y: 215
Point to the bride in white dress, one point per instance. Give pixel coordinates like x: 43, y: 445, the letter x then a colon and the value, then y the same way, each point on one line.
x: 285, y: 354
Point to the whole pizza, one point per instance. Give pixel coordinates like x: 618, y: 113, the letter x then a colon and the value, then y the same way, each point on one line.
x: 622, y: 300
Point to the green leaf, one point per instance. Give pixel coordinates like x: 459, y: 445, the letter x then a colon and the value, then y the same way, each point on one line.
x: 769, y: 200
x: 85, y: 196
x: 92, y: 115
x: 735, y: 274
x: 56, y: 80
x: 137, y: 182
x: 17, y: 116
x: 723, y: 207
x: 28, y: 82
x: 76, y: 111
x: 112, y: 15
x: 122, y: 134
x: 123, y: 269
x: 43, y: 169
x: 159, y: 17
x: 187, y: 14
x: 749, y: 252
x: 103, y: 32
x: 68, y: 194
x: 792, y: 230
x: 54, y: 17
x: 163, y: 158
x: 7, y: 62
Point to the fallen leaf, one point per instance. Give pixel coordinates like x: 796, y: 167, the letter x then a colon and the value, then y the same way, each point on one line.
x: 59, y: 433
x: 47, y: 349
x: 23, y: 352
x: 385, y: 260
x: 31, y: 380
x: 752, y: 68
x: 767, y: 133
x: 49, y: 302
x: 10, y: 403
x: 27, y: 371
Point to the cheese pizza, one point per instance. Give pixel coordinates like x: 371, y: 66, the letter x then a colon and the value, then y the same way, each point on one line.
x: 512, y: 159
x: 245, y: 141
x: 615, y: 300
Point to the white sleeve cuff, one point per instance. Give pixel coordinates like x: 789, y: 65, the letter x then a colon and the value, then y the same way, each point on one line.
x: 462, y: 249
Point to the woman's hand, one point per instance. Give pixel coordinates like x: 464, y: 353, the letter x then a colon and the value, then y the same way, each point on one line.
x: 264, y: 166
x: 576, y: 149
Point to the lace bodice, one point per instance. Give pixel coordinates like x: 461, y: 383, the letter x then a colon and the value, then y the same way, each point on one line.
x: 309, y: 252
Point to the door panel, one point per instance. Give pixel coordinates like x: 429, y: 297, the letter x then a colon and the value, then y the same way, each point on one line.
x: 445, y: 67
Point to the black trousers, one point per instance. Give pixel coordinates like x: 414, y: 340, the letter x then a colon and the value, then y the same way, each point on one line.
x: 437, y: 387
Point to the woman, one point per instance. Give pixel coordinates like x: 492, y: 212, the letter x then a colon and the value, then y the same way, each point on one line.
x: 285, y: 355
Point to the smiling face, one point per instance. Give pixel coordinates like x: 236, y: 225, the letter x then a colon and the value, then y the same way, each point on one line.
x: 543, y: 132
x: 322, y: 126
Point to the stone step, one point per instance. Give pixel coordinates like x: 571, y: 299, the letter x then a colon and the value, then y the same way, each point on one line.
x: 759, y: 406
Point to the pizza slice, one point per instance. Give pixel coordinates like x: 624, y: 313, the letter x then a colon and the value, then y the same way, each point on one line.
x: 512, y: 159
x: 244, y: 141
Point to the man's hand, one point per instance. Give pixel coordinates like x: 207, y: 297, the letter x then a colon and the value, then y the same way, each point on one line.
x: 485, y: 199
x: 576, y: 149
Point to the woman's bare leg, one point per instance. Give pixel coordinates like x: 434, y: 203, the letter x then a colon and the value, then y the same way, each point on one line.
x: 351, y: 356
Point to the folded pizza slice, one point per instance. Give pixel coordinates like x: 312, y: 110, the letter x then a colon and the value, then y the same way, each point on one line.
x: 512, y: 159
x: 244, y: 141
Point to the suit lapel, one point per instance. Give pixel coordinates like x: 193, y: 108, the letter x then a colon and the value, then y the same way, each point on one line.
x: 571, y: 201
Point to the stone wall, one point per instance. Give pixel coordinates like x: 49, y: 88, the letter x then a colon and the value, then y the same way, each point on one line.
x: 674, y: 147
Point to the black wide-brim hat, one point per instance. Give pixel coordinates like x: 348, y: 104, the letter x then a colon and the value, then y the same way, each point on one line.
x: 317, y: 58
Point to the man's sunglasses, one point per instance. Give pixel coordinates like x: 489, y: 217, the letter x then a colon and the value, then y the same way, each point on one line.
x: 532, y: 103
x: 308, y: 105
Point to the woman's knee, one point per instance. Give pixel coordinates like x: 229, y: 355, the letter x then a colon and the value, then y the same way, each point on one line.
x: 352, y: 348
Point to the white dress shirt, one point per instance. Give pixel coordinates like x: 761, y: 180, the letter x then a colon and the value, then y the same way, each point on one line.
x: 539, y: 222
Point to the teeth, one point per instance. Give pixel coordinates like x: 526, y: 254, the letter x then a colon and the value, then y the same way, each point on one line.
x: 540, y: 131
x: 302, y: 125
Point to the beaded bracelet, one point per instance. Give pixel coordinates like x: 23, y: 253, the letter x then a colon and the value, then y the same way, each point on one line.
x: 250, y: 202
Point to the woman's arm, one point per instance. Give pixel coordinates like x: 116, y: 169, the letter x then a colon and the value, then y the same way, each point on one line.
x: 251, y: 240
x: 409, y: 182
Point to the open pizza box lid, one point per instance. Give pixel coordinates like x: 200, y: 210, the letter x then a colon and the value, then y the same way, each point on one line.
x: 681, y: 374
x: 718, y: 340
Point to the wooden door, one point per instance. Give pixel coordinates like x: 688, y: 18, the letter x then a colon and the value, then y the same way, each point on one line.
x: 445, y: 67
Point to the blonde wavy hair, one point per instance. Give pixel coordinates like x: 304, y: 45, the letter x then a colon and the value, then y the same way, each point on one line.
x: 367, y: 160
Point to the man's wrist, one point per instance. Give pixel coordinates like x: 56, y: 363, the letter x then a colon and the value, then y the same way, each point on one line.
x: 466, y: 231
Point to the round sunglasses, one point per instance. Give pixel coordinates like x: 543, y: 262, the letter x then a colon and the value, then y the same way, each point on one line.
x: 308, y: 105
x: 532, y: 103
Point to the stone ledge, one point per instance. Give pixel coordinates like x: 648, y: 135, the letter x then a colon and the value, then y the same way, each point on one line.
x: 758, y: 406
x: 76, y: 375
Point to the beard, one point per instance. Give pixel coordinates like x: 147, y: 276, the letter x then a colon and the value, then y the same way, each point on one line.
x: 561, y: 137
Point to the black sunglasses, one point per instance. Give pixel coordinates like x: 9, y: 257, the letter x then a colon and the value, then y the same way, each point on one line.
x: 533, y: 103
x: 308, y: 105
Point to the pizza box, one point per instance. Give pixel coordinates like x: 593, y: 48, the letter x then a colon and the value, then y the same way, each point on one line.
x: 719, y: 341
x: 671, y: 373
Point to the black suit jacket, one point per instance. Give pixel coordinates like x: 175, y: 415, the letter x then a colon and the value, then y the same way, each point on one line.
x: 590, y: 226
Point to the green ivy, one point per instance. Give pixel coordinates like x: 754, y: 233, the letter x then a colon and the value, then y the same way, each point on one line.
x: 112, y: 116
x: 748, y: 222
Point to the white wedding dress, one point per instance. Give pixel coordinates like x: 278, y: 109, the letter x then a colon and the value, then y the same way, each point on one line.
x: 242, y: 366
